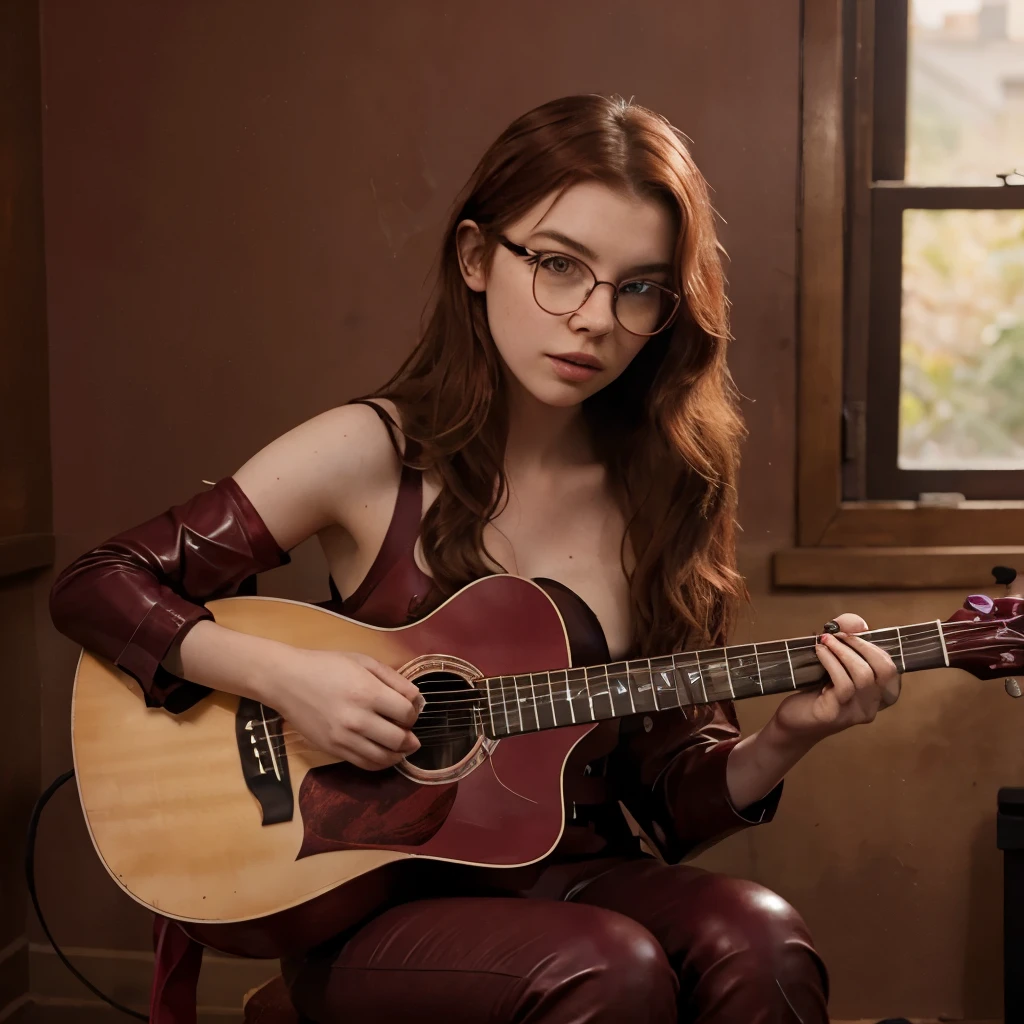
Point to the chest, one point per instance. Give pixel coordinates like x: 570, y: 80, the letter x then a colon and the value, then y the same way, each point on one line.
x: 571, y: 531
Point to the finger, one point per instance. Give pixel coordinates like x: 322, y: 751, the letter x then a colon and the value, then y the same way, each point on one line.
x: 881, y: 662
x: 368, y: 755
x: 859, y: 671
x: 850, y: 623
x: 842, y: 683
x: 405, y: 687
x: 387, y: 734
x: 390, y: 704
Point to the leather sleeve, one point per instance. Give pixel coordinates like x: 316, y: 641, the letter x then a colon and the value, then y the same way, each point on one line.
x: 670, y: 773
x: 132, y: 597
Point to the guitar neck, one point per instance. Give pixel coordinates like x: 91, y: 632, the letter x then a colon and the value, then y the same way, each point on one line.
x: 548, y: 700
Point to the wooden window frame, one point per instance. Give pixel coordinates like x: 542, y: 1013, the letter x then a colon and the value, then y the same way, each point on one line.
x: 861, y: 544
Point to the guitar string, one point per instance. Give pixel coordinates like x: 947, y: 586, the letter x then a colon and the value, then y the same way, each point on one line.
x: 522, y: 703
x: 915, y: 647
x: 499, y: 692
x: 447, y: 732
x: 532, y: 701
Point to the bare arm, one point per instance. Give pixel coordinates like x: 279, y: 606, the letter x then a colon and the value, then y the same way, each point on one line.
x: 137, y: 599
x: 313, y: 477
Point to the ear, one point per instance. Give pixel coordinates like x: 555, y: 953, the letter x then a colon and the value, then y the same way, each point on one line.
x: 469, y: 240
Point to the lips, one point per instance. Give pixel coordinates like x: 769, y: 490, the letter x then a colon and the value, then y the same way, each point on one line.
x: 575, y: 367
x: 580, y: 359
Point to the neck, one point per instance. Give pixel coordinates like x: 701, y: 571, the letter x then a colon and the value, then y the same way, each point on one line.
x: 545, y: 700
x: 543, y: 436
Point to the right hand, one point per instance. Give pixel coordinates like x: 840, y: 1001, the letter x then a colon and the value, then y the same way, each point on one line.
x: 349, y: 705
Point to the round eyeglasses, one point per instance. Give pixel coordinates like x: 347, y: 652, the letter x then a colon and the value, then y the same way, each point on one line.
x: 563, y: 283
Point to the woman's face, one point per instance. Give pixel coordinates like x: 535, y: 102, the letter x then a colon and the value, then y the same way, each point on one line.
x: 563, y: 359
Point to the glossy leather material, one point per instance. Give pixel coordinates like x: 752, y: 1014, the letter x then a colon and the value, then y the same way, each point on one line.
x: 132, y: 597
x: 605, y: 934
x: 644, y: 943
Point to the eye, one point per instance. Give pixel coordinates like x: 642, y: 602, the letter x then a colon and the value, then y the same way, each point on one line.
x: 637, y: 287
x: 559, y: 265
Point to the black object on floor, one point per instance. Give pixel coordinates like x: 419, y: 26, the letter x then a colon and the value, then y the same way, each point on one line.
x: 1010, y: 839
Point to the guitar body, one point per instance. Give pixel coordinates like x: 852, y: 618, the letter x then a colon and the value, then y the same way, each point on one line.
x: 259, y: 845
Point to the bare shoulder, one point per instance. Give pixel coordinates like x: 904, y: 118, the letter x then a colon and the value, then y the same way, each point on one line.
x: 315, y: 475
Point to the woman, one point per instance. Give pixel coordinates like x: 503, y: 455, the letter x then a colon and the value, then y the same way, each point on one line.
x: 567, y: 416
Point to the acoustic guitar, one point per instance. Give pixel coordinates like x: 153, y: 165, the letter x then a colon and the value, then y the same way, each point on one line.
x: 224, y: 819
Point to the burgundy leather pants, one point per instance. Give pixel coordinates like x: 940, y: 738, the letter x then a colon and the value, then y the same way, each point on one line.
x: 644, y: 943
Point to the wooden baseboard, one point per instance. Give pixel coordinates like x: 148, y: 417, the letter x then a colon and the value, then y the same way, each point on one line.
x: 14, y: 975
x: 126, y: 975
x: 98, y: 1013
x: 18, y: 1012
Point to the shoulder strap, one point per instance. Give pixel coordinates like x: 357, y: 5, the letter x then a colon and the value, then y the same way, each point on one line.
x: 412, y: 448
x: 400, y: 540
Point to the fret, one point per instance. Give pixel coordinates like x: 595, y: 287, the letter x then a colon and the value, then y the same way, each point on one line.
x: 547, y: 715
x: 942, y: 640
x: 590, y: 696
x: 620, y: 690
x: 728, y: 674
x: 715, y: 676
x: 515, y: 719
x: 790, y: 660
x: 533, y: 693
x: 568, y: 700
x: 504, y: 705
x: 686, y: 675
x: 579, y: 695
x: 903, y: 659
x: 663, y: 674
x: 601, y: 696
x: 757, y: 664
x: 654, y: 689
x: 744, y: 672
x: 888, y: 640
x: 774, y: 674
x: 642, y: 694
x: 525, y: 702
x: 700, y: 679
x: 925, y: 644
x: 490, y: 710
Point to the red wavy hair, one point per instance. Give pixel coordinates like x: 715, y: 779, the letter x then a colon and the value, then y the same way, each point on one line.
x: 668, y: 429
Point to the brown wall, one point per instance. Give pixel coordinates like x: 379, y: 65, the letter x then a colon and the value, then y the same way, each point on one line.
x: 25, y: 531
x: 243, y: 202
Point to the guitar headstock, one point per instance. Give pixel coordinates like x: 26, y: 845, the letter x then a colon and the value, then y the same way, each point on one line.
x: 988, y: 641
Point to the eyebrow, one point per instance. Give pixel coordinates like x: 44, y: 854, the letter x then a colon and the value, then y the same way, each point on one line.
x: 569, y: 243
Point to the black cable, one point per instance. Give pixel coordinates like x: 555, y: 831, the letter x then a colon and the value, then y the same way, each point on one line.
x: 30, y: 878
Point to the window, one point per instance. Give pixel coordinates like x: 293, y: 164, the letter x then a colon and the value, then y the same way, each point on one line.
x: 911, y: 320
x: 934, y: 395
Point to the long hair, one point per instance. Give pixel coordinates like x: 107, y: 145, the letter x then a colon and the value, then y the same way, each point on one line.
x: 668, y: 428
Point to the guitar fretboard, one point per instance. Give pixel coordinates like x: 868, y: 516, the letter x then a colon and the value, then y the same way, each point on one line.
x: 547, y: 700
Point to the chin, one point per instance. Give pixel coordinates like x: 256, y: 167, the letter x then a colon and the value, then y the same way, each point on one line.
x: 559, y: 395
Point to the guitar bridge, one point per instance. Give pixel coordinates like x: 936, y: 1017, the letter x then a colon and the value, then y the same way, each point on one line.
x: 264, y: 760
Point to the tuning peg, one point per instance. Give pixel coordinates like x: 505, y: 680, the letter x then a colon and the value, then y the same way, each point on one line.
x: 1004, y: 576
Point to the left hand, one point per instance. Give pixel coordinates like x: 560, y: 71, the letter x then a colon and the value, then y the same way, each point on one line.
x: 862, y: 681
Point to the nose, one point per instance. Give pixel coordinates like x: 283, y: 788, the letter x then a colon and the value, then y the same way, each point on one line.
x: 597, y: 314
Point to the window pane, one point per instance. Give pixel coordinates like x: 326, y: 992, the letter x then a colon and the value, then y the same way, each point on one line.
x: 962, y: 349
x: 965, y: 91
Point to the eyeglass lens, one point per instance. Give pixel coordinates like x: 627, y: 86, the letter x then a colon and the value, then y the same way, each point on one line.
x: 562, y: 284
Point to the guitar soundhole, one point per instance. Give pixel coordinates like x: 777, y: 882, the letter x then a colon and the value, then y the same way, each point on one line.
x: 449, y: 724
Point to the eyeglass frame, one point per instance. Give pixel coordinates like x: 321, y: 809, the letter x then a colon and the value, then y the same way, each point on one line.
x: 524, y: 252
